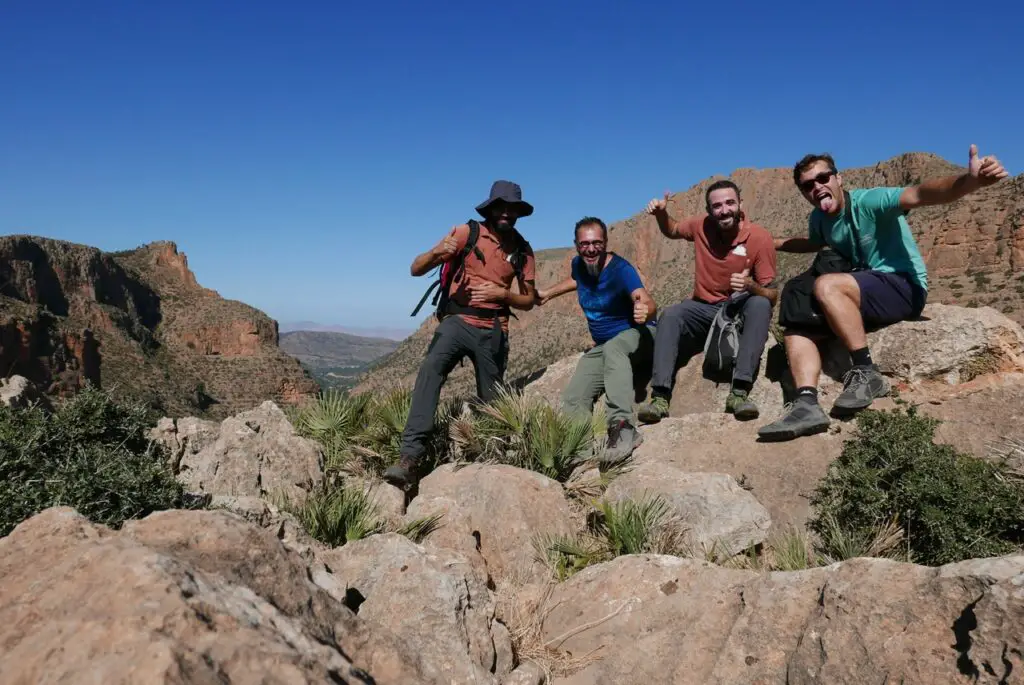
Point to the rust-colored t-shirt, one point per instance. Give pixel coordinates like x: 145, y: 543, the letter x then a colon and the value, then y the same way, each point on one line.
x: 494, y: 268
x: 717, y: 259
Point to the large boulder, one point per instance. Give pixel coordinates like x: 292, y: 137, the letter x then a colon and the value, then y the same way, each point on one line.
x: 19, y: 392
x: 256, y: 453
x: 186, y: 597
x: 658, y: 619
x: 713, y: 513
x: 434, y: 601
x: 493, y: 513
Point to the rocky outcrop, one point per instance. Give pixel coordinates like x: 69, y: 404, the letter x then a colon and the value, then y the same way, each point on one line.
x: 713, y: 514
x: 659, y: 619
x: 136, y: 323
x: 187, y: 597
x: 18, y: 392
x: 493, y: 513
x: 433, y: 600
x: 256, y: 453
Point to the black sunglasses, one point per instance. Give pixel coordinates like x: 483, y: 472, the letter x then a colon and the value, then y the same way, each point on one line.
x: 822, y: 178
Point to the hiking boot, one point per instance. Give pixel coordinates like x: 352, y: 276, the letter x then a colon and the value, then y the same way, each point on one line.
x: 741, y: 406
x: 862, y: 384
x: 622, y: 440
x: 403, y: 473
x: 801, y: 418
x: 653, y: 411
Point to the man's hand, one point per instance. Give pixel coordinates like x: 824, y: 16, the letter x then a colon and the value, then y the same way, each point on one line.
x: 640, y: 311
x: 741, y: 281
x: 985, y: 170
x: 657, y: 206
x: 486, y: 292
x: 447, y: 248
x: 540, y: 297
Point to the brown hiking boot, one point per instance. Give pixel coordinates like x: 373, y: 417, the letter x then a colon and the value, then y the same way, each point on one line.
x: 403, y: 474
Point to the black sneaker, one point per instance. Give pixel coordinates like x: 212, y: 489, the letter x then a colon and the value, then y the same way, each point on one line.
x: 801, y: 418
x: 403, y: 473
x: 862, y: 385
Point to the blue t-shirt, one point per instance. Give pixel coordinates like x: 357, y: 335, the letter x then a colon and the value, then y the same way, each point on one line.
x: 886, y: 243
x: 607, y: 301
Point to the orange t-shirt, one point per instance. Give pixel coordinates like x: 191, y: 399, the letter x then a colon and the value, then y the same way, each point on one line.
x: 718, y: 259
x: 494, y: 268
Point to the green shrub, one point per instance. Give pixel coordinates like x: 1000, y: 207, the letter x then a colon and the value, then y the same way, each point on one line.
x: 92, y: 453
x: 948, y: 506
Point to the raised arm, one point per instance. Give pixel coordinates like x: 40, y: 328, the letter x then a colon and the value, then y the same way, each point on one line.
x: 436, y: 255
x: 557, y: 290
x: 668, y: 226
x: 981, y: 172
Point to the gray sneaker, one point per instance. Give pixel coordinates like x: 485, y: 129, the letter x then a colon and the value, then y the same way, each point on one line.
x: 862, y: 384
x: 801, y: 418
x: 622, y: 440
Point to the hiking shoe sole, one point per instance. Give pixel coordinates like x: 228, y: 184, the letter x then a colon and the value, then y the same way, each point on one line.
x: 746, y: 413
x: 649, y: 417
x: 785, y: 434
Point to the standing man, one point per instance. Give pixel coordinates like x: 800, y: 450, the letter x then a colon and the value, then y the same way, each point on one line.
x: 869, y: 228
x: 617, y: 307
x: 732, y: 255
x: 474, y: 315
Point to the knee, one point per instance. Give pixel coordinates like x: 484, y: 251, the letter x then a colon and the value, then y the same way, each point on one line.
x: 829, y: 286
x: 673, y: 312
x: 758, y: 305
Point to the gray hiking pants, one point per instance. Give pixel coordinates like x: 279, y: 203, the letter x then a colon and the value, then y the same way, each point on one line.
x: 617, y: 367
x: 684, y: 327
x: 453, y: 341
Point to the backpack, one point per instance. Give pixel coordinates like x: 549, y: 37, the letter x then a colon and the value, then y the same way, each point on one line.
x: 449, y: 271
x: 723, y: 342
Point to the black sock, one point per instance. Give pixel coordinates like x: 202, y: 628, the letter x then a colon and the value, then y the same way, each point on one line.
x: 807, y: 394
x: 742, y: 386
x: 861, y: 357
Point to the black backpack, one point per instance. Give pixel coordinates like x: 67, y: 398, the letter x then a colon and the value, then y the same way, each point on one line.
x: 449, y: 271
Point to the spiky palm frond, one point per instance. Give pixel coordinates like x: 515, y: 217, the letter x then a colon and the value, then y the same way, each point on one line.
x: 336, y: 515
x: 631, y: 526
x: 419, y: 529
x: 556, y: 442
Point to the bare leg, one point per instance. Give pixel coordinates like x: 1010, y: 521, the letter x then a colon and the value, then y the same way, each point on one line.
x: 839, y: 297
x: 804, y: 360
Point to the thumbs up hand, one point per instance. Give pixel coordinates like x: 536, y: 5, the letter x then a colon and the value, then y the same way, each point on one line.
x: 656, y: 206
x: 986, y: 170
x: 640, y: 311
x: 741, y: 281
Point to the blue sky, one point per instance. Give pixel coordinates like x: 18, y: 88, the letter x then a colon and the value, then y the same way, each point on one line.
x: 302, y: 153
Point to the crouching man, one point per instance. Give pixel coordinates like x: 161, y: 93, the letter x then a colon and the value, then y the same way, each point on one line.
x: 732, y: 255
x: 474, y: 311
x: 888, y: 283
x: 617, y: 308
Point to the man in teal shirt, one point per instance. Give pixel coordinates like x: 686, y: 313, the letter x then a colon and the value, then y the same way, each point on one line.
x: 889, y: 284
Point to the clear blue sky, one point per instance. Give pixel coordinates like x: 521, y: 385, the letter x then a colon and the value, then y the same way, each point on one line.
x: 302, y: 153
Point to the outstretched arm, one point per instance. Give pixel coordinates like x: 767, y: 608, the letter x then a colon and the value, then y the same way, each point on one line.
x: 557, y: 290
x: 797, y: 245
x: 981, y: 172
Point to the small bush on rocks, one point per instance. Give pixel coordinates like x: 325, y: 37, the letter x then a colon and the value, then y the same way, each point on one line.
x: 949, y: 506
x: 92, y: 453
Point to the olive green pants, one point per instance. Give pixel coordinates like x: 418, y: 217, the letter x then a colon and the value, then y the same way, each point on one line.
x: 620, y: 368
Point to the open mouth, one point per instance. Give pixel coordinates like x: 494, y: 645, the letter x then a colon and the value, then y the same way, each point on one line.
x: 824, y: 200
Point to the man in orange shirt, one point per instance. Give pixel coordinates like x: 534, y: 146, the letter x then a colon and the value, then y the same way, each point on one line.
x: 734, y: 262
x: 474, y: 313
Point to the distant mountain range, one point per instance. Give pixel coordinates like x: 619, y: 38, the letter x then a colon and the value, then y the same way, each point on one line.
x: 335, y: 359
x: 366, y: 332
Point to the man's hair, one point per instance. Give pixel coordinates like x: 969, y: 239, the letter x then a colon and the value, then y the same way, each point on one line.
x: 809, y: 160
x: 719, y: 185
x: 590, y: 221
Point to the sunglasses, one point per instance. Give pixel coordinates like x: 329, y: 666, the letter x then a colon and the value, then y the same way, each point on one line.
x: 596, y: 244
x: 822, y: 178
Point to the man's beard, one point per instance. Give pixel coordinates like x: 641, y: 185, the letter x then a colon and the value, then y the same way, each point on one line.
x: 594, y: 270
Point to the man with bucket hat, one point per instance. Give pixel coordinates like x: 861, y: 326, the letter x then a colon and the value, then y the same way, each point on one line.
x: 479, y: 261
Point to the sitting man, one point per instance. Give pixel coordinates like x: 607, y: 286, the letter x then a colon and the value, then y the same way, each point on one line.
x: 869, y: 228
x: 617, y: 308
x: 732, y: 255
x: 474, y: 315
